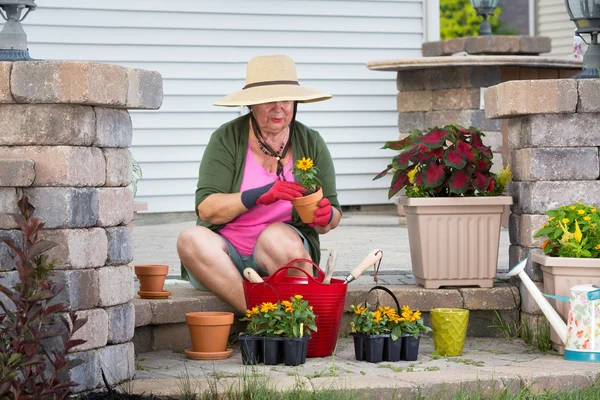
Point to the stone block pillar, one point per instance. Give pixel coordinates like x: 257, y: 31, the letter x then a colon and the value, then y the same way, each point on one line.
x: 553, y: 136
x: 65, y: 137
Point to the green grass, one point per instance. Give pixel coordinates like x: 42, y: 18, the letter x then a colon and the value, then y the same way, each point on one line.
x: 591, y: 393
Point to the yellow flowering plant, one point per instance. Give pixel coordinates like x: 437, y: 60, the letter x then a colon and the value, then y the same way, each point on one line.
x: 572, y: 231
x: 307, y: 171
x: 367, y: 321
x: 293, y: 318
x: 412, y: 323
x: 387, y: 320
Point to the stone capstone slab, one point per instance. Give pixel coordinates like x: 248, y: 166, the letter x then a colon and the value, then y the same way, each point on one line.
x: 539, y: 197
x: 120, y: 245
x: 7, y: 255
x: 493, y: 44
x: 118, y: 167
x: 116, y: 285
x: 544, y: 96
x: 78, y: 248
x: 145, y: 89
x: 589, y: 96
x: 80, y: 288
x: 71, y: 82
x: 62, y: 165
x: 556, y: 164
x: 454, y: 46
x: 535, y: 44
x: 95, y: 330
x: 9, y: 197
x: 505, y: 44
x: 121, y: 323
x: 554, y: 130
x: 500, y: 297
x: 15, y: 172
x: 47, y: 125
x: 113, y: 127
x: 5, y: 94
x: 65, y: 207
x: 115, y: 206
x: 416, y: 297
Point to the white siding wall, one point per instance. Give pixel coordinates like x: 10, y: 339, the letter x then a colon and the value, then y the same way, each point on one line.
x: 553, y: 20
x: 201, y: 48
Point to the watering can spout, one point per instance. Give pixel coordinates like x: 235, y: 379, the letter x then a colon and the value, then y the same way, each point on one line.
x: 557, y: 323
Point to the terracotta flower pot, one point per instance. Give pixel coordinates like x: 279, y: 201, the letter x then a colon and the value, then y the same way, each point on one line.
x: 306, y: 206
x: 209, y: 332
x: 152, y: 277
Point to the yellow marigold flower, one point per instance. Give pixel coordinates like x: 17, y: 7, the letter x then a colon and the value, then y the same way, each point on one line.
x: 593, y: 209
x: 266, y: 307
x: 359, y: 310
x: 578, y: 234
x: 565, y: 220
x: 255, y: 310
x: 580, y: 212
x: 405, y: 309
x: 377, y: 316
x: 304, y: 163
x: 572, y: 207
x: 550, y: 219
x: 587, y: 218
x: 406, y: 314
x: 248, y: 313
x: 597, y: 247
x: 288, y: 306
x: 545, y: 225
x: 411, y: 175
x: 298, y: 296
x: 417, y: 314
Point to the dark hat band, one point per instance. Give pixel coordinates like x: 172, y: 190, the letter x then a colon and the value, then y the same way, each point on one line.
x: 269, y: 83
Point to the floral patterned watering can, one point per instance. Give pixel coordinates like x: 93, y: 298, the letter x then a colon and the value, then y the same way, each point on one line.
x: 582, y: 334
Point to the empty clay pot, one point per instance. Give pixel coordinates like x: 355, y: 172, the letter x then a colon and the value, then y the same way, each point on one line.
x: 209, y: 330
x: 151, y: 276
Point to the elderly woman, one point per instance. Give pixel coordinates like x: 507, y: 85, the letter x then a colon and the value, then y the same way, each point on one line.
x: 245, y: 186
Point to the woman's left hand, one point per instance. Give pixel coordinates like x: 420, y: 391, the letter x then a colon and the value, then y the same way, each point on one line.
x: 323, y: 214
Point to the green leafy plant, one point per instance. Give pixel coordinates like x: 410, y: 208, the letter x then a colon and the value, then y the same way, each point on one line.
x: 33, y: 362
x: 293, y: 318
x: 572, y: 231
x: 443, y: 162
x: 307, y: 171
x: 458, y: 19
x: 387, y: 320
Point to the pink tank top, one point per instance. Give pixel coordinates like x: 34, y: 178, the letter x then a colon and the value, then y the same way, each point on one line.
x: 243, y: 231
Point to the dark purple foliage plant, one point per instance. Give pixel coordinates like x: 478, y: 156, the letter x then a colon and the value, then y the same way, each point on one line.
x: 35, y: 333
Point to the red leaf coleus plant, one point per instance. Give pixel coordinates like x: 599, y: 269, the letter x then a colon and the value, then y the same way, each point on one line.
x: 443, y: 162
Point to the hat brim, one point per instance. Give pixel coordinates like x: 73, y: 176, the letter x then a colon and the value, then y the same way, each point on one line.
x: 271, y: 93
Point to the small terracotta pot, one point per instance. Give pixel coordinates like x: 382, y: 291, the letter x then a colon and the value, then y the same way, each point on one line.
x: 151, y: 276
x: 306, y: 206
x: 209, y: 330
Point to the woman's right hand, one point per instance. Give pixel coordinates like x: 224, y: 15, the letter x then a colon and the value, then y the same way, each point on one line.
x: 281, y: 190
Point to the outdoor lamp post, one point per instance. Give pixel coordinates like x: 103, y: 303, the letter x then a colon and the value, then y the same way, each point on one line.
x: 485, y: 8
x: 586, y: 15
x: 13, y: 39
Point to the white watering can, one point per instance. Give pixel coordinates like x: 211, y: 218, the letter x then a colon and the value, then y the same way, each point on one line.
x: 582, y: 335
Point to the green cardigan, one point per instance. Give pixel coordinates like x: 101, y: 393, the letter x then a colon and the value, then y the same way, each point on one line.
x: 222, y: 169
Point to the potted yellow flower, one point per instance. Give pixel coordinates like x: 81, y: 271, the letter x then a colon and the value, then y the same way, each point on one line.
x: 369, y: 331
x: 413, y: 328
x: 296, y: 324
x: 571, y: 253
x: 305, y: 206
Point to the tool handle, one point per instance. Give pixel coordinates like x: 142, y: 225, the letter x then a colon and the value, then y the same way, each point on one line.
x: 371, y: 259
x: 331, y: 262
x: 252, y: 276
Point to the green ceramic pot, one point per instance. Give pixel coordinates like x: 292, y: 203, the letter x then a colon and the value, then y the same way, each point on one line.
x: 449, y: 327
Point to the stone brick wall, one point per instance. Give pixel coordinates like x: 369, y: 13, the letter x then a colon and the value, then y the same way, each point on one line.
x: 554, y: 137
x: 64, y: 143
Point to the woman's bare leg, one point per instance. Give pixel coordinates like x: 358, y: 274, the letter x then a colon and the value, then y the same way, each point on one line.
x: 204, y: 254
x: 277, y: 245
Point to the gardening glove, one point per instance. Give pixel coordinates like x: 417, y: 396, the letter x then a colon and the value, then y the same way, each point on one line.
x: 269, y: 194
x: 323, y: 214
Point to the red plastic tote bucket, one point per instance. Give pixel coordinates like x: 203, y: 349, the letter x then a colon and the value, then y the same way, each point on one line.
x: 327, y: 302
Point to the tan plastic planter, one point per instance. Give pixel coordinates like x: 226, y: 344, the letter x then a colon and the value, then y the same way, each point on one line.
x: 562, y: 273
x: 454, y: 240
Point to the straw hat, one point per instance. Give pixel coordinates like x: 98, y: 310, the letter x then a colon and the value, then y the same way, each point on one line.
x: 268, y: 79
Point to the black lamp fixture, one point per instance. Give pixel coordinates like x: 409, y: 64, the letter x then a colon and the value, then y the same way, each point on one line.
x: 485, y: 8
x: 13, y: 39
x: 586, y: 15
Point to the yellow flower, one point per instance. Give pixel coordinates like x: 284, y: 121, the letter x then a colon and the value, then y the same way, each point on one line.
x: 304, y: 163
x: 377, y: 316
x: 288, y: 306
x: 572, y: 207
x: 266, y: 307
x: 593, y: 209
x: 565, y: 220
x: 587, y: 218
x: 405, y: 309
x: 550, y: 219
x: 411, y: 174
x: 580, y: 212
x: 248, y: 313
x: 597, y: 247
x: 359, y: 310
x: 298, y: 296
x: 417, y: 315
x: 545, y: 225
x: 578, y: 234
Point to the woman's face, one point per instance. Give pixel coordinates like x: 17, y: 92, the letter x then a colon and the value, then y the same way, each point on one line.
x: 273, y: 118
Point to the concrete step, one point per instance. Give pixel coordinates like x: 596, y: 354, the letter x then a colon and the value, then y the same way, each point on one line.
x: 160, y: 324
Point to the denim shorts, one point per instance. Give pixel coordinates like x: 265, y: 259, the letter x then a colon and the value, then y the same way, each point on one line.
x: 242, y: 262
